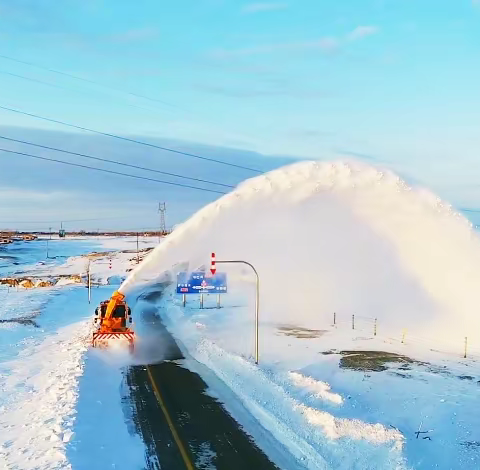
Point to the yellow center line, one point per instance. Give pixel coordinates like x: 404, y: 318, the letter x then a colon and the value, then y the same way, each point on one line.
x: 186, y: 459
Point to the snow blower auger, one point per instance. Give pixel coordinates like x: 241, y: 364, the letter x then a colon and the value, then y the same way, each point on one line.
x: 111, y: 318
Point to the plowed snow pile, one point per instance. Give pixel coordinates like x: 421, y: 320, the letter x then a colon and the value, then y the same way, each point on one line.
x: 341, y: 237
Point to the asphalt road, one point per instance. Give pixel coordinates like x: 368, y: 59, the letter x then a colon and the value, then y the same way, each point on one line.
x: 182, y: 426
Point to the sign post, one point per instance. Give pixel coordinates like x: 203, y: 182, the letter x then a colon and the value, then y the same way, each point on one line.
x: 257, y: 294
x: 201, y: 282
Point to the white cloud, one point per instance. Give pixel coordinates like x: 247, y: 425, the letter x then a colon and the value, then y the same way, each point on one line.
x: 31, y: 196
x: 261, y: 7
x: 361, y: 32
x: 134, y: 35
x: 323, y: 44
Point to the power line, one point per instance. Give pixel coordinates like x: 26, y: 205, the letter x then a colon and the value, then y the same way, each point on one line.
x: 114, y: 162
x: 127, y: 139
x: 112, y: 172
x: 34, y: 80
x: 48, y: 69
x: 60, y: 87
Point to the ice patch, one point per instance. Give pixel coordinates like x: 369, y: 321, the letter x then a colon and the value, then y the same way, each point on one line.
x: 205, y: 458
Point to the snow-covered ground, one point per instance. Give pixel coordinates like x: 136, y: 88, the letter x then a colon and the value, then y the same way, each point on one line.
x: 325, y: 238
x: 59, y: 401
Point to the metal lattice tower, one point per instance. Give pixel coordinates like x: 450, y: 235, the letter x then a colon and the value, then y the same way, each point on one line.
x: 162, y: 208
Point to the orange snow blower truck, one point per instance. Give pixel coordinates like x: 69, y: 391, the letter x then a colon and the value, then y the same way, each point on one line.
x: 111, y: 318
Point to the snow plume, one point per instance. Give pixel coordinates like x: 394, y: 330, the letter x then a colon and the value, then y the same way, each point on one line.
x: 343, y: 237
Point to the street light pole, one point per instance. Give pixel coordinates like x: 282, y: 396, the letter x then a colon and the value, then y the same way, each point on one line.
x: 257, y: 297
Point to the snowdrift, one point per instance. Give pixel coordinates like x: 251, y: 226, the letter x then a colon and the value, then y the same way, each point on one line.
x: 343, y: 237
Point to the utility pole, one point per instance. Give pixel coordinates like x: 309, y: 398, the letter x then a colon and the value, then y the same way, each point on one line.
x: 162, y: 208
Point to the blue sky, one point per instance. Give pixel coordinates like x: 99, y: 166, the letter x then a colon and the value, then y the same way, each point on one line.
x: 395, y: 81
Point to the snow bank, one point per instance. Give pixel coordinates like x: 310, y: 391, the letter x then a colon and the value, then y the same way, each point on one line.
x: 45, y: 422
x: 341, y: 237
x: 44, y: 380
x: 307, y: 432
x: 319, y: 388
x: 335, y: 428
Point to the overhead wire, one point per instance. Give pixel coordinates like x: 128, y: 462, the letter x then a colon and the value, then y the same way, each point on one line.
x: 128, y: 139
x: 105, y: 160
x: 60, y: 87
x: 90, y: 81
x: 86, y: 80
x: 112, y: 171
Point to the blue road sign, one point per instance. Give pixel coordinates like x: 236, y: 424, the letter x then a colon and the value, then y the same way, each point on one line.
x: 201, y: 283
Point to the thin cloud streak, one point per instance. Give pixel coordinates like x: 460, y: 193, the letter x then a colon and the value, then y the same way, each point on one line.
x: 361, y: 32
x: 325, y: 45
x: 263, y: 7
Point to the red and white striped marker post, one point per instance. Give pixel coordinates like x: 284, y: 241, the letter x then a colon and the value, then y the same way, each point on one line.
x: 213, y: 268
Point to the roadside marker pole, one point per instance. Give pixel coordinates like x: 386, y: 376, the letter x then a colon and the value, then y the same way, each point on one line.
x: 375, y: 328
x: 404, y: 333
x: 465, y: 351
x: 138, y: 259
x: 334, y: 318
x: 257, y: 294
x: 213, y: 268
x: 184, y: 299
x: 218, y: 300
x: 353, y: 322
x: 201, y: 300
x: 89, y: 284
